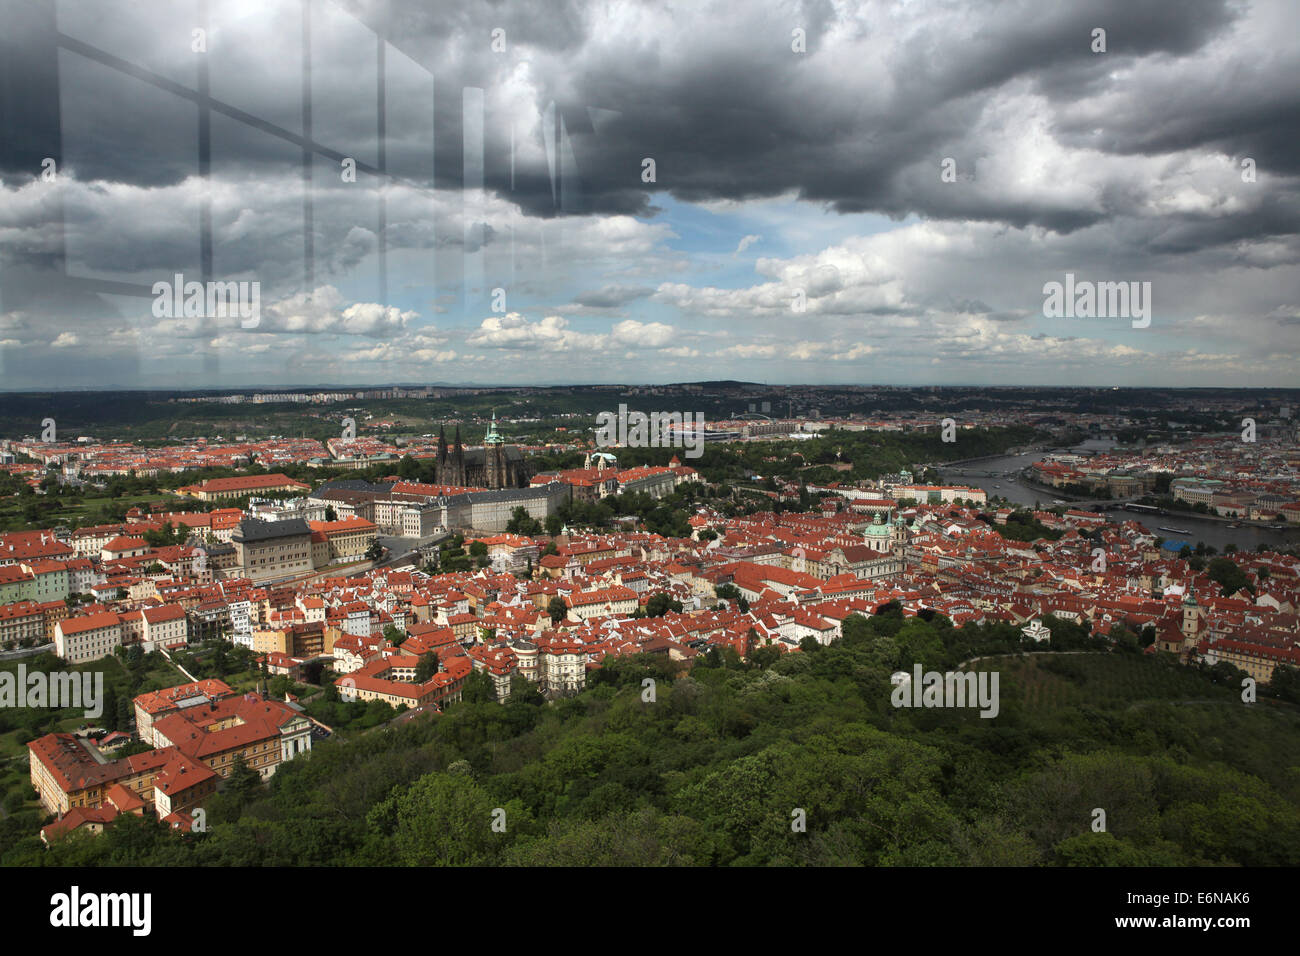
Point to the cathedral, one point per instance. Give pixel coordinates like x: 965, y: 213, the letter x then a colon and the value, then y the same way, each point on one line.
x: 495, y: 465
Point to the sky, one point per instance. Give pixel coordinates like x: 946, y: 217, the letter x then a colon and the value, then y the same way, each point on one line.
x: 841, y: 192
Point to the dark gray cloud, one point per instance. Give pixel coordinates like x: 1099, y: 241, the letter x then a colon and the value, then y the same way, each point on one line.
x: 612, y: 296
x: 1123, y: 163
x: 713, y: 93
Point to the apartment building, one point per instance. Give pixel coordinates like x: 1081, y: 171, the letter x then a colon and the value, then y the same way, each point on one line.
x: 164, y: 626
x: 1195, y: 491
x: 608, y: 602
x: 88, y: 638
x: 270, y: 550
x: 562, y: 666
x: 21, y: 624
x: 303, y: 640
x: 348, y: 539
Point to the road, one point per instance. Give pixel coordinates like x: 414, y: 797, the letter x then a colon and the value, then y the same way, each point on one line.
x: 402, y: 550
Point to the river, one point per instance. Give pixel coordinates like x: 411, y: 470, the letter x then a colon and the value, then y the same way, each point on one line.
x: 1216, y: 534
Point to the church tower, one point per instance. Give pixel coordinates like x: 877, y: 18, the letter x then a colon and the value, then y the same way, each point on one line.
x: 1191, y: 617
x: 494, y: 456
x: 458, y: 461
x: 442, y: 454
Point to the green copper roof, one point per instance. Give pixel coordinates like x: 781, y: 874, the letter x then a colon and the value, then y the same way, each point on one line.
x: 492, y: 437
x: 878, y: 528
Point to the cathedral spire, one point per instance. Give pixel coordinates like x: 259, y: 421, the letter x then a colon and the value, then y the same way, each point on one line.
x: 493, y: 437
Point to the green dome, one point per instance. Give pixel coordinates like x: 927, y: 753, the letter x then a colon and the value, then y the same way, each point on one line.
x: 878, y: 528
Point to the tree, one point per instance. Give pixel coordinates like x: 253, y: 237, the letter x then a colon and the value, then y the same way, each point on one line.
x: 124, y: 714
x: 525, y: 692
x: 477, y: 549
x: 1285, y: 683
x: 426, y: 667
x: 242, y: 780
x: 729, y: 592
x: 111, y: 711
x: 761, y: 658
x: 443, y: 820
x: 554, y: 525
x: 219, y: 662
x: 1227, y: 574
x: 394, y: 636
x: 557, y: 609
x: 521, y: 522
x: 331, y: 514
x: 479, y: 688
x: 375, y: 551
x: 660, y: 604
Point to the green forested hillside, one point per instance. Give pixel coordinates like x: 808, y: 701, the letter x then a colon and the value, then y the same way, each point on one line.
x: 715, y: 768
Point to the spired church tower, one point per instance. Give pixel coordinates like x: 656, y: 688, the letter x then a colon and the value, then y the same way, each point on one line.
x: 458, y: 462
x: 494, y: 457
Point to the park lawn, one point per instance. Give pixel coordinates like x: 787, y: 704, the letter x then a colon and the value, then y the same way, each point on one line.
x: 112, y: 669
x: 164, y: 674
x: 11, y: 509
x: 244, y: 681
x: 10, y: 747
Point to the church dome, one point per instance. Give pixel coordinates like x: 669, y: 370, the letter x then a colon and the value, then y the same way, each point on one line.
x: 878, y: 528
